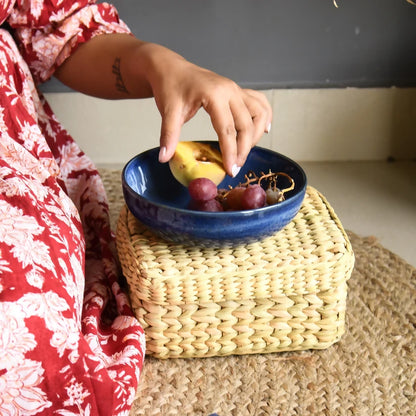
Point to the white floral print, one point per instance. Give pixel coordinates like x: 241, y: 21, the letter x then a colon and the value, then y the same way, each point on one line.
x: 20, y: 392
x: 15, y: 338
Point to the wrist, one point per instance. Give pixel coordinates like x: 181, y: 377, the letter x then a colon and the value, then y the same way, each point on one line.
x: 149, y: 62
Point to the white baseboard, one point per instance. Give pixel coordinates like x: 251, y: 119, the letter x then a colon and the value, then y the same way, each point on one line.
x: 309, y: 124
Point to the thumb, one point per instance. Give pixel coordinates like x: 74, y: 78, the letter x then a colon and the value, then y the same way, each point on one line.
x: 172, y: 122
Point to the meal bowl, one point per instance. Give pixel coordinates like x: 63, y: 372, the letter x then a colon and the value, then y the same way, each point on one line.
x: 160, y: 202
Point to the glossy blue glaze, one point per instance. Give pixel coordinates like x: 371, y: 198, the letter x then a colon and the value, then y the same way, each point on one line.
x: 158, y: 200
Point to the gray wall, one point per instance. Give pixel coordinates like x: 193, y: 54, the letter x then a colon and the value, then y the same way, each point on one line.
x: 284, y: 43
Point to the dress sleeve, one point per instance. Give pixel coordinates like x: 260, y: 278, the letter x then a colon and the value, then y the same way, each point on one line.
x: 48, y: 31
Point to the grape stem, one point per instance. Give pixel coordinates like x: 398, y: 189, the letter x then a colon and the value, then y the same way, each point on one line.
x: 272, y: 177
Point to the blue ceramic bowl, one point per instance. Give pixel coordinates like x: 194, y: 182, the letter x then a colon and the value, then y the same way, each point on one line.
x: 159, y: 201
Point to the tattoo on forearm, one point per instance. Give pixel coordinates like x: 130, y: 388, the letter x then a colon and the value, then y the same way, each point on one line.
x: 119, y: 79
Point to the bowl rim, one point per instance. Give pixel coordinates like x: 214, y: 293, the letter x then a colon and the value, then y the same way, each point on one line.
x: 210, y: 214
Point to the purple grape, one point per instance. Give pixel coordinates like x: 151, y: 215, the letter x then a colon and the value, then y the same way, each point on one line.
x: 233, y: 199
x: 209, y: 206
x: 202, y: 189
x: 212, y: 206
x: 253, y: 197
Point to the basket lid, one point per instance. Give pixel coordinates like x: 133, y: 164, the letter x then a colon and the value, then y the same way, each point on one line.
x: 312, y: 254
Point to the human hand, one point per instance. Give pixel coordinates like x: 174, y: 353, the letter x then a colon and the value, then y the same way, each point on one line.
x: 239, y: 116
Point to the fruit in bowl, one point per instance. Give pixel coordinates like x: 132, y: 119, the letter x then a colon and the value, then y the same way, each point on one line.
x: 196, y: 160
x: 252, y: 194
x: 157, y: 199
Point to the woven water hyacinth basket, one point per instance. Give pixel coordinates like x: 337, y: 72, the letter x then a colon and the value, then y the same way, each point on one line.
x: 286, y: 292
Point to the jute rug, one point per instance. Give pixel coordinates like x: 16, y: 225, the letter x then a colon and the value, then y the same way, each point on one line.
x: 371, y: 371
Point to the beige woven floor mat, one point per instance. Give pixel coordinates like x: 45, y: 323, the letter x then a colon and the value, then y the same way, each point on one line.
x: 371, y: 371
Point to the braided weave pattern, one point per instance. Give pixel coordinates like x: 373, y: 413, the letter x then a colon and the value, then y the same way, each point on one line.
x: 285, y: 292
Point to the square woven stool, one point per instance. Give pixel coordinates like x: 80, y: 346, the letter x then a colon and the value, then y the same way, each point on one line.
x: 286, y: 292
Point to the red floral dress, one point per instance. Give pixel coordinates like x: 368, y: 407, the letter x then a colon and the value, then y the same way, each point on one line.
x: 69, y: 344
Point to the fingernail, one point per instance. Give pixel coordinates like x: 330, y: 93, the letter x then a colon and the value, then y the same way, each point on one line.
x: 162, y: 153
x: 234, y: 170
x: 269, y: 126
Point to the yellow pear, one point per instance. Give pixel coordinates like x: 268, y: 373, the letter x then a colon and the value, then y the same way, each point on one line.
x: 196, y: 160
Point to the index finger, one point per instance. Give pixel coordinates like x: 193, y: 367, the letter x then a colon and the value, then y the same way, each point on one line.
x: 172, y: 122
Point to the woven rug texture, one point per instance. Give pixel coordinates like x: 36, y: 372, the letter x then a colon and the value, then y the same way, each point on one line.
x: 370, y: 371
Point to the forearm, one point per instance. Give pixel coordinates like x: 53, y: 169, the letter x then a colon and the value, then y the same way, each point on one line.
x: 113, y: 66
